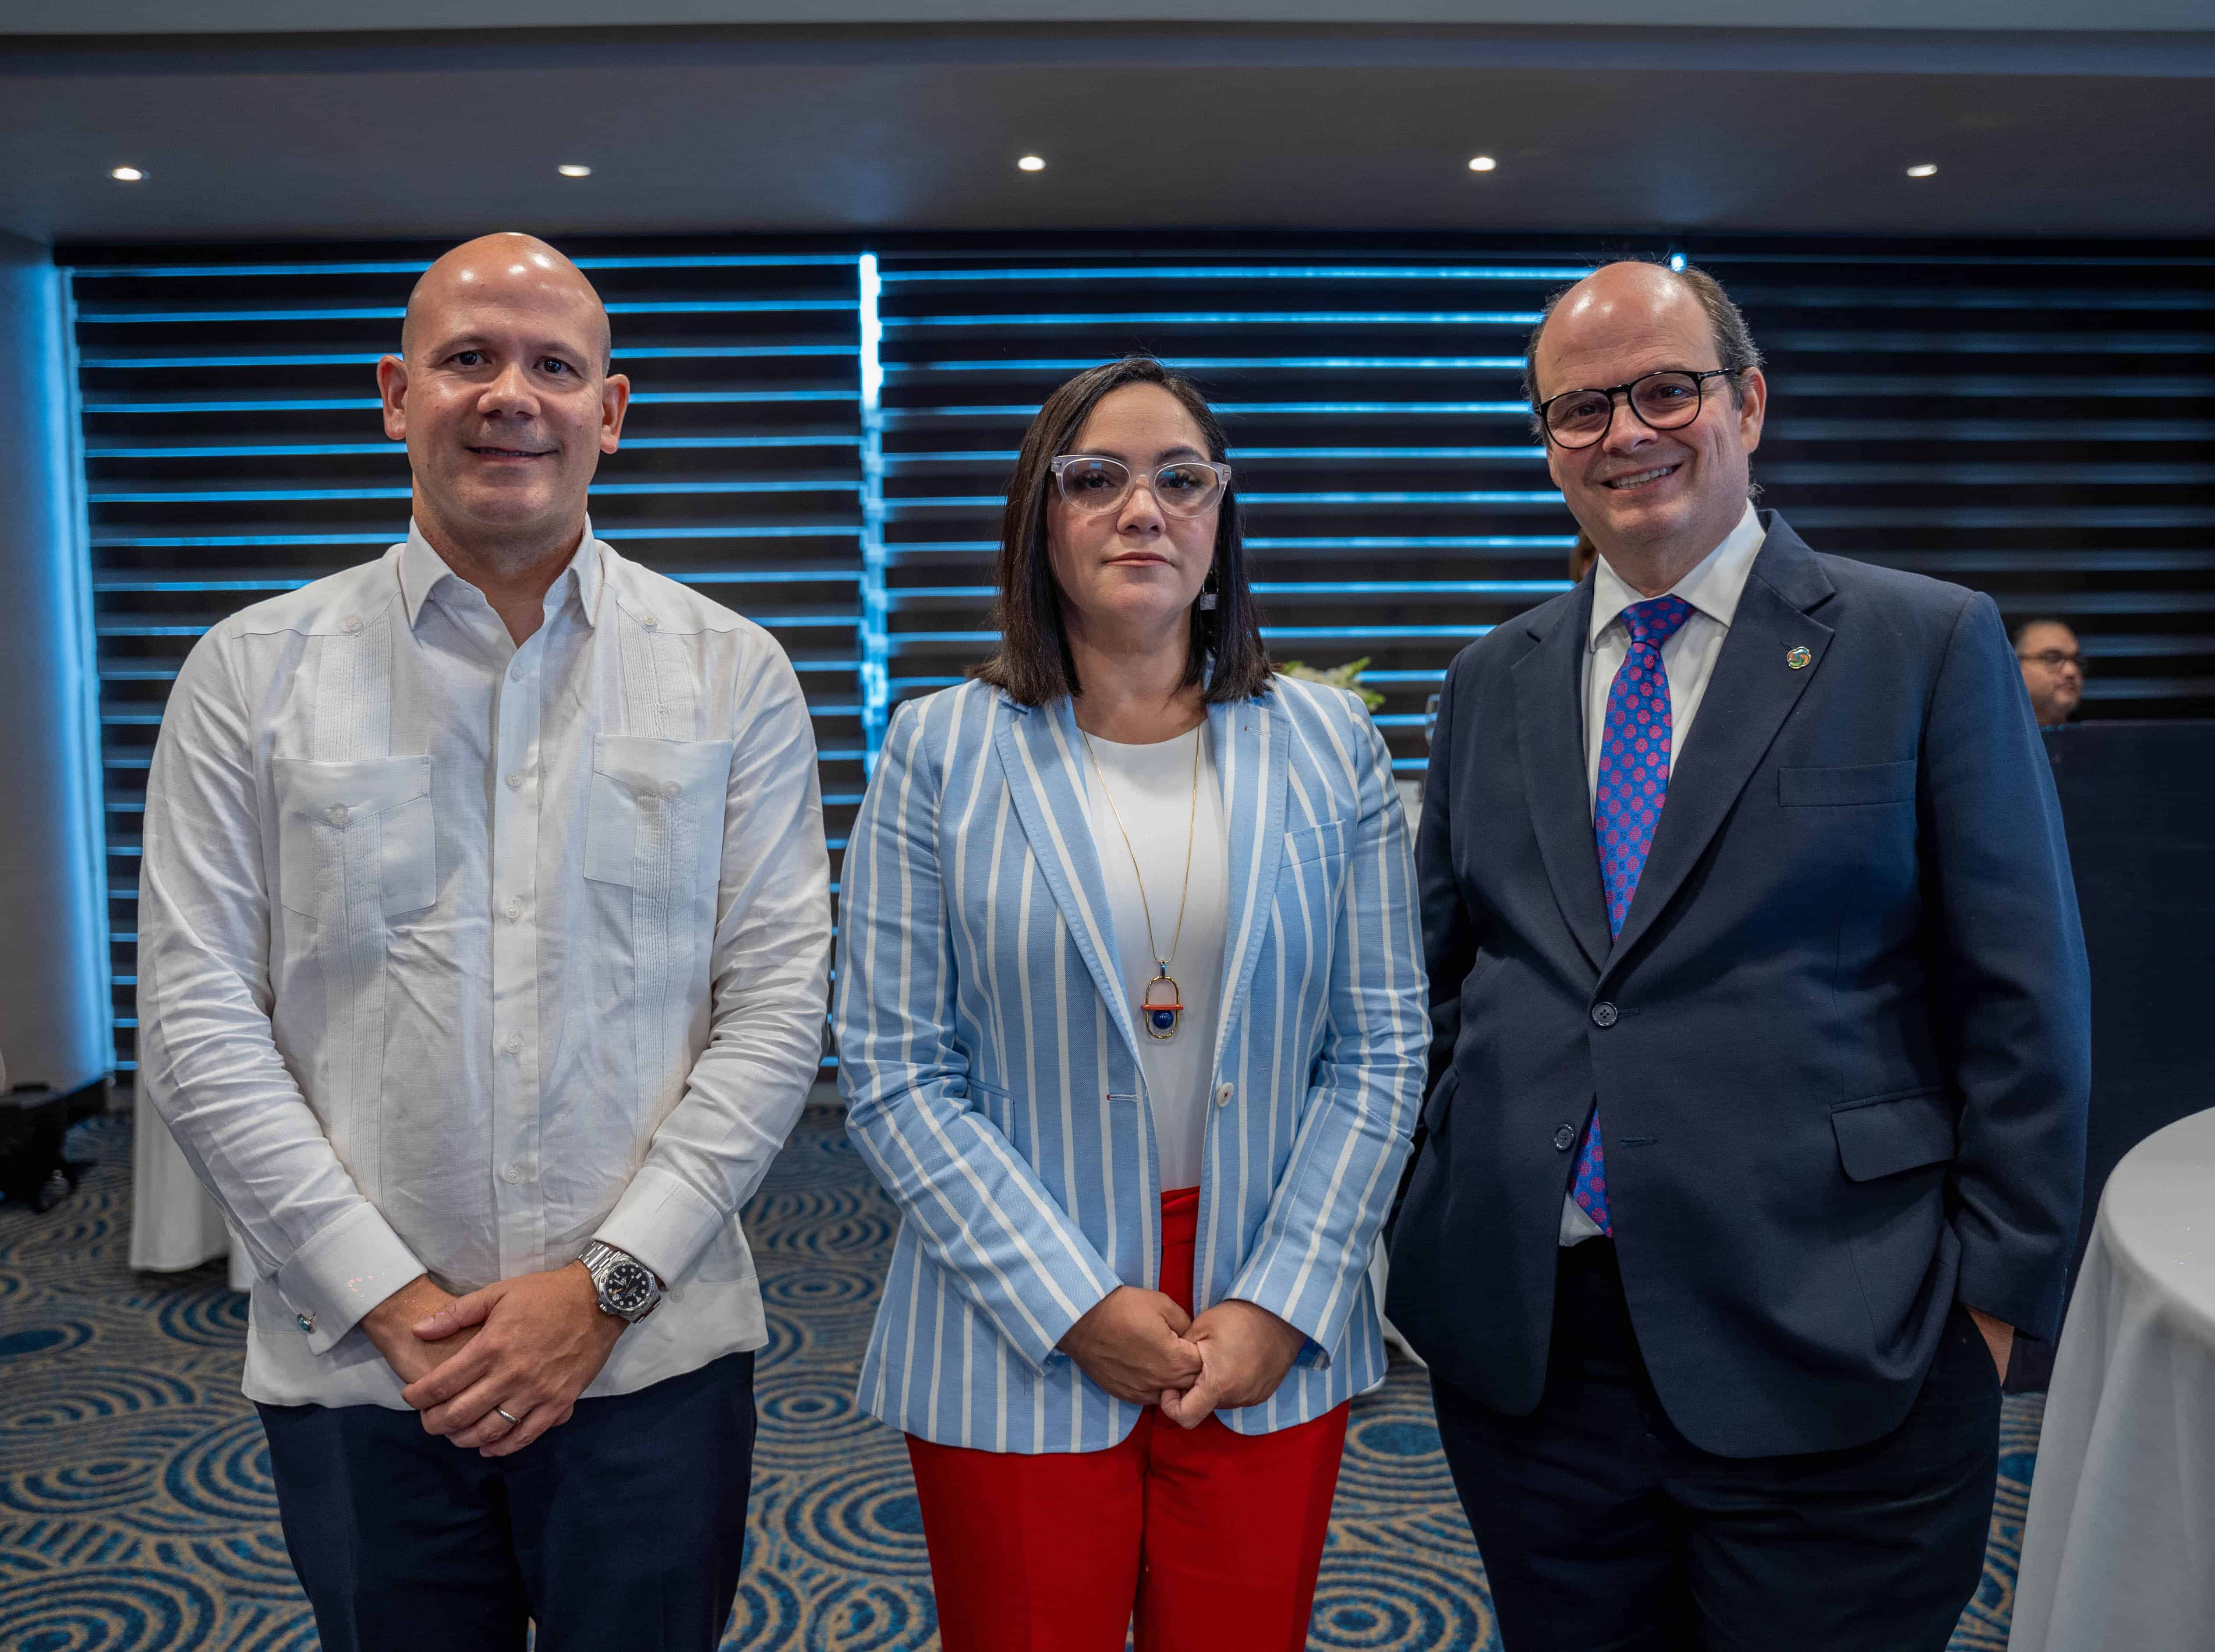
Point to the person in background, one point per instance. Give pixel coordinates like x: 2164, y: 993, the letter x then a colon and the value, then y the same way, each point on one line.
x: 1760, y: 1052
x: 2052, y: 669
x: 1130, y: 1025
x: 485, y: 919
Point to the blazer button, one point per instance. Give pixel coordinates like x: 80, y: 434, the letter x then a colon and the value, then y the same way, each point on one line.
x: 1565, y: 1138
x: 305, y: 1321
x: 1605, y: 1014
x: 1223, y: 1093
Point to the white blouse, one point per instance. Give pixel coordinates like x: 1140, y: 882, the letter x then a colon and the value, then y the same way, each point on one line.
x: 1152, y: 787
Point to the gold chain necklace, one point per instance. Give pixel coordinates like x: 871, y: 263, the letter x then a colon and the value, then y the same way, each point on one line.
x: 1158, y: 1014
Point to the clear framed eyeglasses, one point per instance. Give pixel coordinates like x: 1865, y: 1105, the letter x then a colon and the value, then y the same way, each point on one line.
x: 1094, y: 483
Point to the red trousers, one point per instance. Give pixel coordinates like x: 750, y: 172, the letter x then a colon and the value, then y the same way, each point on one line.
x: 1211, y: 1538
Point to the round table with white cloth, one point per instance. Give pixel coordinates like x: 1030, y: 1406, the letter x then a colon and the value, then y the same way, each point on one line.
x: 2118, y: 1550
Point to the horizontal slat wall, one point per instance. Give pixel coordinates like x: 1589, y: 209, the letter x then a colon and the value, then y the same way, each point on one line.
x: 1398, y: 505
x: 233, y: 450
x: 2037, y: 424
x: 2033, y: 421
x: 2040, y: 427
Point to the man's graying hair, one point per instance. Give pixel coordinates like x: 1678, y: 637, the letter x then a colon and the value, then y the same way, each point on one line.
x: 1735, y: 350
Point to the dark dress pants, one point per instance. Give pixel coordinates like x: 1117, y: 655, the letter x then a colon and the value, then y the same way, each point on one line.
x: 1604, y: 1530
x: 620, y: 1531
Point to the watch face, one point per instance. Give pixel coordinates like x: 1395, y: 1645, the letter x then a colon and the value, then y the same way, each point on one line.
x: 627, y: 1288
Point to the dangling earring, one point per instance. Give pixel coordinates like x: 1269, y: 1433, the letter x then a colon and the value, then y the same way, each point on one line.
x: 1207, y: 593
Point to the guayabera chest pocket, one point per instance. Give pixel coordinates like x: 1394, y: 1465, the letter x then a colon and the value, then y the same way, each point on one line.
x: 355, y: 836
x: 655, y: 818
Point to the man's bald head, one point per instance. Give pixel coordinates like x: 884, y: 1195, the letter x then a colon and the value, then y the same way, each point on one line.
x: 504, y: 393
x: 510, y: 269
x: 1633, y: 287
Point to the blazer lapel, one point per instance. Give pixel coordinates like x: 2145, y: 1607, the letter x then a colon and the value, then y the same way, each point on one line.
x: 1251, y: 739
x: 1040, y: 748
x: 1752, y: 690
x: 1551, y: 735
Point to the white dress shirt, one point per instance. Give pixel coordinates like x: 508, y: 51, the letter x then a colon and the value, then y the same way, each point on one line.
x: 1713, y: 588
x: 1153, y: 793
x: 456, y: 955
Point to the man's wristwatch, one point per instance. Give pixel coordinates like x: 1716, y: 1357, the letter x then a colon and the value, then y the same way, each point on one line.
x: 626, y: 1286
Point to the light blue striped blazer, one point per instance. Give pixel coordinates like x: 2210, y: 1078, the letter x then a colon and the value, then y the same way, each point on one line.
x: 990, y: 1062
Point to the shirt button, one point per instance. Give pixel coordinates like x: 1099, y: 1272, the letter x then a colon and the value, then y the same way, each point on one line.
x: 514, y: 1044
x: 353, y: 624
x: 511, y: 1174
x: 514, y: 909
x: 1565, y: 1138
x: 336, y: 814
x: 305, y: 1321
x: 1223, y: 1094
x: 1605, y: 1014
x: 649, y: 621
x: 516, y: 676
x: 514, y: 780
x: 669, y: 790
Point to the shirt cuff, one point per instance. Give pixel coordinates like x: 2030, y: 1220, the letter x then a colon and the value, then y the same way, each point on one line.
x: 663, y: 1222
x: 349, y: 1268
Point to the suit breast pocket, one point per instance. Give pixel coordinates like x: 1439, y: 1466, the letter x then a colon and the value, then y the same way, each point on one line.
x: 355, y: 836
x: 1324, y: 840
x: 654, y: 815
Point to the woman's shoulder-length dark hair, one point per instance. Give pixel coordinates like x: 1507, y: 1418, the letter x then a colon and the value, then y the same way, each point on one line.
x: 1034, y: 666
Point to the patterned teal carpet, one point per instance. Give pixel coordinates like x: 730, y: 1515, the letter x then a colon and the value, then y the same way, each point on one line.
x: 136, y: 1510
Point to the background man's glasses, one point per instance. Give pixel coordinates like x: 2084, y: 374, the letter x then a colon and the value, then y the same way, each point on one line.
x: 1183, y: 487
x: 1660, y: 401
x: 2054, y: 658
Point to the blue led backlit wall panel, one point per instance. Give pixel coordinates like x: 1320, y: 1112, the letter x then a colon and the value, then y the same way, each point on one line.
x: 2033, y: 421
x: 822, y: 434
x: 1397, y: 504
x: 233, y: 449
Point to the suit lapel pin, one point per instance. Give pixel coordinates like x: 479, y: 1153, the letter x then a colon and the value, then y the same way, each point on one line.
x: 1799, y: 660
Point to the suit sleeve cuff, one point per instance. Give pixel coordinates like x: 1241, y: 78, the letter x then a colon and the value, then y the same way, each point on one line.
x: 1314, y: 1354
x: 349, y: 1268
x: 663, y: 1221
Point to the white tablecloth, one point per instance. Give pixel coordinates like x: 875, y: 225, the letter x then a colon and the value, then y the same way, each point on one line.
x: 2118, y: 1552
x: 173, y: 1223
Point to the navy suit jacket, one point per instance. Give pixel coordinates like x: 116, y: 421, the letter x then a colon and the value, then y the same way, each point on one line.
x: 1840, y: 1047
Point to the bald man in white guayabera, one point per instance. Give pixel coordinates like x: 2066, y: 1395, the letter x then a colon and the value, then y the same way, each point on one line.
x: 483, y: 953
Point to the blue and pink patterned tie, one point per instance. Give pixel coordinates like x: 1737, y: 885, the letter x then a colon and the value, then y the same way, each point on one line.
x: 1634, y: 782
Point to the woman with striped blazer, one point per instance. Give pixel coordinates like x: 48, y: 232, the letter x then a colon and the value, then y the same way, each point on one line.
x: 1130, y: 1023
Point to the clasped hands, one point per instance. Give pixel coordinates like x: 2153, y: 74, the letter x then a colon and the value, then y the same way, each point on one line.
x: 529, y: 1345
x: 1140, y: 1346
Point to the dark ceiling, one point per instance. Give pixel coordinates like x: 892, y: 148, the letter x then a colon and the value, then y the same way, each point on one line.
x: 891, y: 129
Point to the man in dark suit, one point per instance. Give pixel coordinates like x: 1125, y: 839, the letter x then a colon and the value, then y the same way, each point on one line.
x: 1760, y: 1057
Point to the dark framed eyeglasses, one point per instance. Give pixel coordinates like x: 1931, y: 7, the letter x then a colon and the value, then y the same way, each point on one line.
x: 1666, y: 401
x: 2054, y: 658
x: 1094, y: 483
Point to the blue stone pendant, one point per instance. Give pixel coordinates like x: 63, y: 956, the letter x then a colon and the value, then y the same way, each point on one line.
x: 1159, y: 1007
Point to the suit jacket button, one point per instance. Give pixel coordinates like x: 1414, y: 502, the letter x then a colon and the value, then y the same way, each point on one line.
x: 1565, y: 1138
x: 1605, y: 1014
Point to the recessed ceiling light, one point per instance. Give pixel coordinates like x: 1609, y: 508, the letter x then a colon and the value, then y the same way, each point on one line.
x: 1031, y: 163
x: 571, y: 169
x: 1481, y: 163
x: 127, y: 175
x: 1927, y: 170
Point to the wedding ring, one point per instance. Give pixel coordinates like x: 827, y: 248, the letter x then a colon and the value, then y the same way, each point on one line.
x: 509, y: 1415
